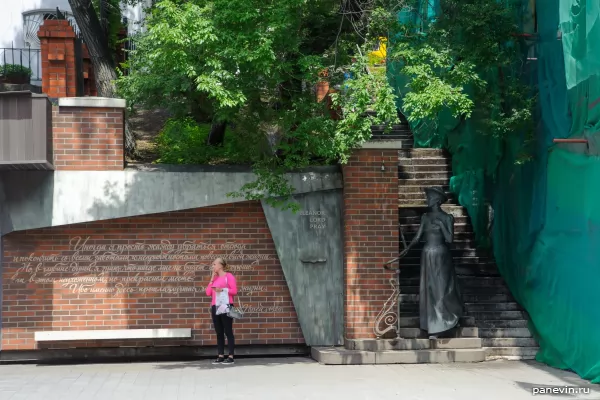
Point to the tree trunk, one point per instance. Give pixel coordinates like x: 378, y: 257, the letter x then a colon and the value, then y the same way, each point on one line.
x: 101, y: 57
x: 217, y: 133
x: 97, y: 44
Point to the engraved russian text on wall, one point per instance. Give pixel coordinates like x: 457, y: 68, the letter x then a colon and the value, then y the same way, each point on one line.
x: 141, y: 268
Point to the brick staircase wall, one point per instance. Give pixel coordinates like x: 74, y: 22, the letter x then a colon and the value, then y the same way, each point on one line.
x: 370, y: 235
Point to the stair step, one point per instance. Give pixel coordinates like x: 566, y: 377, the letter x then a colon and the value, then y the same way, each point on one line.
x: 460, y: 227
x: 418, y: 187
x: 488, y: 306
x: 413, y: 221
x: 422, y: 153
x: 417, y: 196
x: 401, y: 138
x: 495, y: 315
x: 413, y: 260
x: 395, y: 127
x: 463, y: 240
x: 483, y: 290
x: 413, y: 204
x: 459, y: 250
x: 511, y: 353
x: 422, y: 175
x: 502, y: 324
x: 454, y: 209
x: 406, y: 141
x: 504, y: 333
x: 411, y: 344
x: 341, y: 356
x: 464, y: 281
x: 415, y: 333
x: 415, y: 166
x: 467, y: 255
x: 406, y: 161
x: 509, y: 342
x: 477, y: 270
x: 423, y: 183
x: 496, y: 298
x: 413, y: 321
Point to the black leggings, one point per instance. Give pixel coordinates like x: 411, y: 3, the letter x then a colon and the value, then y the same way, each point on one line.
x: 223, y: 326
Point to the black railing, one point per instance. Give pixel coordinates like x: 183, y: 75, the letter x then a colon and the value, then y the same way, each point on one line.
x: 20, y: 66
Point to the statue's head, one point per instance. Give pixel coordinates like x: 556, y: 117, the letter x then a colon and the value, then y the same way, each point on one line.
x: 435, y: 195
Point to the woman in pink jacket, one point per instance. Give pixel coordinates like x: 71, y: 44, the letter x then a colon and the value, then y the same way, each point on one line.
x: 222, y: 280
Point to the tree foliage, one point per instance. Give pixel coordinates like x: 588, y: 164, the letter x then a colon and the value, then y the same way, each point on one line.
x: 255, y: 65
x: 470, y: 57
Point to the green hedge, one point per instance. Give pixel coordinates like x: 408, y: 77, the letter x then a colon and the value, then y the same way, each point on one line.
x: 184, y: 141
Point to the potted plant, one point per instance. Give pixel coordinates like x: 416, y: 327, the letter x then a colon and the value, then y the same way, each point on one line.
x: 15, y: 74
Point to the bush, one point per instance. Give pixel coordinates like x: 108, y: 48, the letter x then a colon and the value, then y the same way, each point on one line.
x: 184, y: 141
x: 14, y: 73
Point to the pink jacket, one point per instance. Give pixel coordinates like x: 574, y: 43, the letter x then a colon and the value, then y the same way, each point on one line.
x: 226, y: 281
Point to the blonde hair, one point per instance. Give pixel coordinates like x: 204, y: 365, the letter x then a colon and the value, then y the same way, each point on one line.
x: 224, y: 264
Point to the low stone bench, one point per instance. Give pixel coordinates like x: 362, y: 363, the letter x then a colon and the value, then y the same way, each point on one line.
x: 113, y: 334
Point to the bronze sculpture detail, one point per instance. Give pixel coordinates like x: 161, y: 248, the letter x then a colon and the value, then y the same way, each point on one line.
x: 440, y: 301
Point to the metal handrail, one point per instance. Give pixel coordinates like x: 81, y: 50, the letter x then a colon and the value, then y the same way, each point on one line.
x: 24, y: 57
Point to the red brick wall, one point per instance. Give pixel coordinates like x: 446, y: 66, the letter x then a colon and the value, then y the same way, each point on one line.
x: 371, y: 236
x: 50, y: 293
x: 88, y: 138
x: 57, y: 40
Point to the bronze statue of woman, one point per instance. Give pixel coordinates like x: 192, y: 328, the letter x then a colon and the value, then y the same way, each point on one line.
x: 440, y: 301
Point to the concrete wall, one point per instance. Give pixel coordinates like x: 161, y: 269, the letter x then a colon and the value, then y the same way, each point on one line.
x: 37, y: 199
x: 308, y: 244
x: 310, y: 248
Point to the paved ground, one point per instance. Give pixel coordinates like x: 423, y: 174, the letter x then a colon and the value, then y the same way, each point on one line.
x: 285, y: 378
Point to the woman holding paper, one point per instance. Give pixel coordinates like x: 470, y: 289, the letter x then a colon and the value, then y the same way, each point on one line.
x: 222, y: 288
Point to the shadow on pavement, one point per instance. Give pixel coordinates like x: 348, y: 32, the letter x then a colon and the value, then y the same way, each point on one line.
x: 569, y: 389
x: 206, y: 364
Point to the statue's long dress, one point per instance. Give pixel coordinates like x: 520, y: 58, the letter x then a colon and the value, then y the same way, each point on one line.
x: 440, y: 301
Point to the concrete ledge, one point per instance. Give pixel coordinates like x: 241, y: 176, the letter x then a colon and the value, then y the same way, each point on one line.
x: 462, y: 332
x: 56, y: 336
x: 511, y: 353
x: 412, y: 344
x: 341, y: 356
x: 101, y: 102
x: 194, y: 168
x: 39, y: 199
x: 128, y: 354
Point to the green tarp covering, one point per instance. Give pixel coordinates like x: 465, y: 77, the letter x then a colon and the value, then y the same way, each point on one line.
x: 546, y: 227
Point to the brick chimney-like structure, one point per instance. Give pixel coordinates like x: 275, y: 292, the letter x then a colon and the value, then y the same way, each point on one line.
x: 57, y: 40
x: 59, y: 71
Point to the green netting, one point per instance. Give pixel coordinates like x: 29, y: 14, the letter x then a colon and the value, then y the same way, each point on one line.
x: 546, y: 212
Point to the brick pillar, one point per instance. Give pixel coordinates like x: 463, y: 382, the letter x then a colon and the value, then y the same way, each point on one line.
x: 371, y: 234
x: 58, y: 58
x: 89, y: 134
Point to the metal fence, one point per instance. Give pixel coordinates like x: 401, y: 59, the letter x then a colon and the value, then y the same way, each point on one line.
x: 17, y: 62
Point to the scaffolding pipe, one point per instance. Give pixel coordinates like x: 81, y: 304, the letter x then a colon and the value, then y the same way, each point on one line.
x: 569, y: 140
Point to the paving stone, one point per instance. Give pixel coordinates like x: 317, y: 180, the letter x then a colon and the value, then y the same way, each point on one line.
x: 285, y: 378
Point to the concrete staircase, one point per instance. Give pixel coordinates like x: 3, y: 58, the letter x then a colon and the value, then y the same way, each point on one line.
x: 501, y: 323
x: 402, y: 351
x: 494, y: 326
